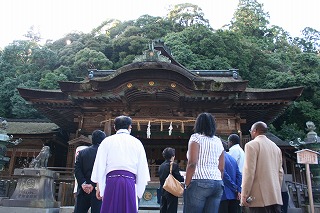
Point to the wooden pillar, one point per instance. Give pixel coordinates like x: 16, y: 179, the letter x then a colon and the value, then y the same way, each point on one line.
x: 80, y: 124
x: 70, y: 156
x: 12, y: 161
x: 107, y: 125
x: 284, y: 163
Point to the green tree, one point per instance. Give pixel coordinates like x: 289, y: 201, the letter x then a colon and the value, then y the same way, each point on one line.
x: 186, y: 15
x: 51, y: 79
x: 20, y: 108
x: 90, y: 59
x: 43, y: 58
x: 124, y: 47
x: 310, y: 42
x: 153, y: 27
x: 7, y: 89
x: 33, y: 35
x: 250, y: 19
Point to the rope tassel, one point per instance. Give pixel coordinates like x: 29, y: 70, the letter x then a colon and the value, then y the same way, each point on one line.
x: 149, y: 130
x: 170, y: 128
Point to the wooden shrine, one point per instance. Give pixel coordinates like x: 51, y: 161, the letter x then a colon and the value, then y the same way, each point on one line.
x: 162, y: 96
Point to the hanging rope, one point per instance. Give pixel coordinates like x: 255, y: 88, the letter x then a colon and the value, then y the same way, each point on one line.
x: 160, y: 122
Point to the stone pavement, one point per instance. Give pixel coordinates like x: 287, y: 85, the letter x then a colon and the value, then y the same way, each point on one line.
x: 69, y: 209
x: 180, y: 210
x: 63, y: 209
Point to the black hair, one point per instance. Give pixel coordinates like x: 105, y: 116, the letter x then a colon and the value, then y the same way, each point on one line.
x: 234, y: 138
x: 168, y: 153
x: 122, y: 122
x: 225, y: 145
x: 205, y: 124
x: 98, y: 136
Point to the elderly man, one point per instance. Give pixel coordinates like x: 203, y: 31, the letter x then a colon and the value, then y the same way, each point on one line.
x: 262, y: 172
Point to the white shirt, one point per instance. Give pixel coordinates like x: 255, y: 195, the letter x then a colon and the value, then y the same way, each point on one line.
x: 237, y: 153
x: 78, y: 149
x: 121, y: 151
x: 209, y: 153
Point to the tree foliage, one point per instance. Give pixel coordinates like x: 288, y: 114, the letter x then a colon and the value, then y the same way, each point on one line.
x: 265, y: 55
x: 250, y: 19
x: 186, y: 15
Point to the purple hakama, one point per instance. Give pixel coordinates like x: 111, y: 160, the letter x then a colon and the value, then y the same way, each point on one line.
x: 120, y: 193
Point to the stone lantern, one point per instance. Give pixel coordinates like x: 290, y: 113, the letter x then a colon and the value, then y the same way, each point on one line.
x: 5, y: 140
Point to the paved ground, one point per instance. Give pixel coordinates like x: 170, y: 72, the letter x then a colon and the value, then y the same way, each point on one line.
x: 180, y: 207
x: 69, y: 209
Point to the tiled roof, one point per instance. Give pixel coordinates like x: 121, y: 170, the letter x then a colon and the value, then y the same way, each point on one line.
x: 277, y: 140
x: 31, y: 128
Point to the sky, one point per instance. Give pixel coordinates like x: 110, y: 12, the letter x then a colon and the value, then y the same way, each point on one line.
x: 56, y: 18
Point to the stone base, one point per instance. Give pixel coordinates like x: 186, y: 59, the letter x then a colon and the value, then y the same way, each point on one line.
x: 31, y: 203
x: 4, y: 209
x: 149, y: 198
x: 35, y: 189
x: 66, y: 209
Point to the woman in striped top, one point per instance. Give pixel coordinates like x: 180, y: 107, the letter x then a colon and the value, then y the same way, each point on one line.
x: 204, y: 185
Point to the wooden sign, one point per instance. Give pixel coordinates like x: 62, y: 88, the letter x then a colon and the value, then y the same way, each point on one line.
x: 307, y: 156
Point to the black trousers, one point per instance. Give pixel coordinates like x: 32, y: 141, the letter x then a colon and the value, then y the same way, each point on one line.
x: 84, y: 201
x: 230, y: 206
x: 169, y: 203
x: 285, y: 200
x: 267, y: 209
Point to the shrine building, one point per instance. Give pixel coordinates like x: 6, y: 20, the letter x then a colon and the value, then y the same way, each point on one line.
x: 163, y: 98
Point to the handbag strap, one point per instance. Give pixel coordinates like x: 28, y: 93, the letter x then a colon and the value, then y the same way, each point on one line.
x: 171, y: 167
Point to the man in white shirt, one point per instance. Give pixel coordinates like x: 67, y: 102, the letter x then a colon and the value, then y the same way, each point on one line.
x: 235, y: 150
x: 120, y: 170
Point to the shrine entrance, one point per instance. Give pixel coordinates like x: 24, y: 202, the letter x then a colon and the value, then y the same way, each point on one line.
x: 154, y: 148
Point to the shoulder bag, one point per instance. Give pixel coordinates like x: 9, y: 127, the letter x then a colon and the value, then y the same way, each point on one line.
x: 172, y: 185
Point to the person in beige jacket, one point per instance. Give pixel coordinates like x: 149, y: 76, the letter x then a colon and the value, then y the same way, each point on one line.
x: 262, y: 172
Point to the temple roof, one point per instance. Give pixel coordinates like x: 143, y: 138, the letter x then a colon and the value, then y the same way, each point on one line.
x: 30, y: 127
x: 159, y: 89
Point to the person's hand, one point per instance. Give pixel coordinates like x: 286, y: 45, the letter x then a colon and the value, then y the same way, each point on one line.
x: 243, y: 201
x: 90, y: 188
x: 98, y: 194
x: 87, y: 188
x: 238, y: 196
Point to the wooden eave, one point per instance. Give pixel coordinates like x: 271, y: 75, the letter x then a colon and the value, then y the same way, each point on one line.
x: 264, y: 104
x: 271, y: 94
x: 54, y: 104
x: 254, y: 105
x: 45, y: 96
